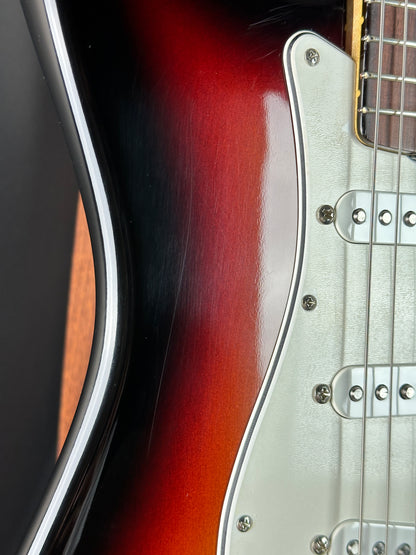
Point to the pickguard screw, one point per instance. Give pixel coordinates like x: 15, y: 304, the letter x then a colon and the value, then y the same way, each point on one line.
x: 382, y: 392
x: 326, y: 214
x: 359, y: 216
x: 320, y: 544
x: 312, y: 57
x: 309, y: 302
x: 404, y: 549
x: 244, y: 523
x: 410, y: 220
x: 322, y: 393
x: 356, y: 393
x: 407, y: 391
x: 379, y: 548
x: 353, y: 547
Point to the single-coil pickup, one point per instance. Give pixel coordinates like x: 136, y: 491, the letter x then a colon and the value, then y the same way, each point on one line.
x: 353, y: 211
x: 383, y: 394
x: 344, y: 539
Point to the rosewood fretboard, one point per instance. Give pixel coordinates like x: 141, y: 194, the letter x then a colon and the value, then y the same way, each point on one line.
x: 391, y: 40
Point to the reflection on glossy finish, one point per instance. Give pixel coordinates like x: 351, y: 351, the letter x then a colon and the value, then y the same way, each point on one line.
x: 279, y: 221
x: 61, y: 514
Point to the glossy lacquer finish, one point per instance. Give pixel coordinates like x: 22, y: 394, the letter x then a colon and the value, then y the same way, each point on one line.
x: 189, y: 104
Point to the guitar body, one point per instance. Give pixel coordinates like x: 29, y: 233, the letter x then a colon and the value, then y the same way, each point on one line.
x: 194, y: 114
x: 218, y: 149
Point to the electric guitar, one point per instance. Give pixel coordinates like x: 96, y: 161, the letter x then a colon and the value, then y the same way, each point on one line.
x: 248, y: 177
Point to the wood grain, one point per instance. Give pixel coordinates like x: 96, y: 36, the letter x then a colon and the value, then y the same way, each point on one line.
x: 80, y: 325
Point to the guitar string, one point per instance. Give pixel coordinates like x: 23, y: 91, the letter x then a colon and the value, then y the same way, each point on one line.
x: 394, y: 262
x: 369, y: 273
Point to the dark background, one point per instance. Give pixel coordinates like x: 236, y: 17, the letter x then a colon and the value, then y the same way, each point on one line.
x: 37, y: 211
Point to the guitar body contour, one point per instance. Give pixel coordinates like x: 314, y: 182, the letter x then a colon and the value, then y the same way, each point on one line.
x: 203, y: 147
x: 188, y: 110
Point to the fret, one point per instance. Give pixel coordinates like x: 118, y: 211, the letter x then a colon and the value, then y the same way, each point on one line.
x: 394, y: 3
x: 386, y: 77
x: 393, y: 126
x: 389, y: 41
x: 387, y: 112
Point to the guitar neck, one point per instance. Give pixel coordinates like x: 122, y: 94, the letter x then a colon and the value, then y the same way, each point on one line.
x: 387, y: 81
